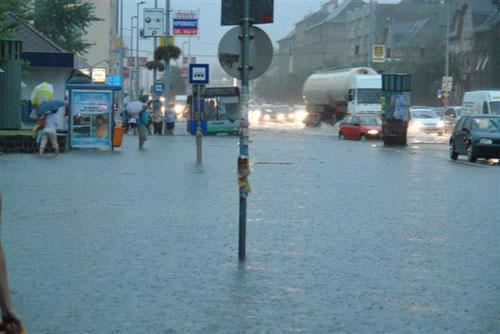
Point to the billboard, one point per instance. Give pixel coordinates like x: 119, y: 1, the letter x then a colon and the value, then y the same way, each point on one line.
x: 185, y: 23
x: 153, y: 22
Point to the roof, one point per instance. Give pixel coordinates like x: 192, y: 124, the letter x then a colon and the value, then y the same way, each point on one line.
x: 33, y: 40
x: 337, y: 14
x: 481, y: 10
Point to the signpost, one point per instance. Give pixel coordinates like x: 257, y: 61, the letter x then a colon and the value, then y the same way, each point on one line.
x: 260, y: 12
x: 198, y: 77
x: 153, y: 22
x: 244, y: 13
x: 185, y: 23
x: 446, y: 87
x: 260, y: 57
x: 378, y: 53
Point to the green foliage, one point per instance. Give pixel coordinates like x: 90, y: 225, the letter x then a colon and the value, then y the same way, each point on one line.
x: 155, y: 65
x: 21, y: 8
x: 167, y: 52
x: 65, y: 22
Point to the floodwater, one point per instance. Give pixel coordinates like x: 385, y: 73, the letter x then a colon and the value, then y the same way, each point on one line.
x: 342, y: 236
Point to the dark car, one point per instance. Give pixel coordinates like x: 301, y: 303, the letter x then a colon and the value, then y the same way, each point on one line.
x: 359, y: 127
x: 477, y: 137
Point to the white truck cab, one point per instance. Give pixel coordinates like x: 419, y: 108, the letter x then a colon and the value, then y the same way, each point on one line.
x: 364, y: 94
x: 482, y: 102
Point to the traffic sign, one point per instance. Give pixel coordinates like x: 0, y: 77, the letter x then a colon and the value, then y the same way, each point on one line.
x: 158, y: 88
x: 185, y: 23
x: 261, y: 12
x: 378, y: 53
x: 447, y: 84
x: 198, y: 74
x: 261, y: 52
x: 153, y: 22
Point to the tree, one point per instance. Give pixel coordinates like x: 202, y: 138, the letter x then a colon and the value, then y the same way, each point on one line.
x: 65, y: 22
x: 21, y: 8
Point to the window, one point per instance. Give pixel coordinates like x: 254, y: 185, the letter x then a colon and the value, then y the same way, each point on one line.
x: 369, y: 96
x: 495, y: 108
x: 460, y: 123
x: 467, y: 123
x: 485, y: 108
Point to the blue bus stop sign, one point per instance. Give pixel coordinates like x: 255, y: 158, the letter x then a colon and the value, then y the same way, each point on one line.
x: 158, y: 88
x: 198, y: 74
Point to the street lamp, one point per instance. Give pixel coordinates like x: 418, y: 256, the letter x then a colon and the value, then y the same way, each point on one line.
x: 131, y: 55
x: 137, y: 52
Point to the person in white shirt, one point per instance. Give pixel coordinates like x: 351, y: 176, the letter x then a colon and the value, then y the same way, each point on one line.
x: 49, y: 133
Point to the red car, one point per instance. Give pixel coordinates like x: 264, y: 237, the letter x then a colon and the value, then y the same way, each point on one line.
x: 360, y: 127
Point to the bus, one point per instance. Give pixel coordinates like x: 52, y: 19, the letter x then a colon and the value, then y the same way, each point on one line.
x: 220, y: 111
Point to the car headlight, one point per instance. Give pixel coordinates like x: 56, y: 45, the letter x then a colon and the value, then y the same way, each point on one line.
x: 418, y: 124
x: 301, y: 115
x: 373, y: 132
x: 291, y: 116
x: 267, y: 117
x: 179, y: 108
x: 280, y: 117
x: 485, y: 141
x: 440, y: 124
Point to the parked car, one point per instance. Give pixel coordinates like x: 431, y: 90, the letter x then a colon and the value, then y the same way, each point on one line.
x: 477, y: 137
x: 451, y: 114
x: 425, y: 120
x: 360, y: 127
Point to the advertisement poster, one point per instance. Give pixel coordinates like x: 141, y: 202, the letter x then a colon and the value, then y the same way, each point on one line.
x: 185, y: 23
x: 91, y: 119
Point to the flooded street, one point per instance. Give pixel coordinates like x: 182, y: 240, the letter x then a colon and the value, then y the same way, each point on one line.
x: 343, y: 236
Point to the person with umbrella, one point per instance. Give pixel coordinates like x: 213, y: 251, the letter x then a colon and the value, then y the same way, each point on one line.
x: 49, y: 131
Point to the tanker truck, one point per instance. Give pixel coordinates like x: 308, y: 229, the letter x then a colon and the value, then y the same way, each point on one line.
x: 331, y: 94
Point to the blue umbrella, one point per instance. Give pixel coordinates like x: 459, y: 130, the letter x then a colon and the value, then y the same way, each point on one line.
x: 50, y: 106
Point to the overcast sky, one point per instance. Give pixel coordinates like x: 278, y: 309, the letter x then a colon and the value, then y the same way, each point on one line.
x: 286, y: 14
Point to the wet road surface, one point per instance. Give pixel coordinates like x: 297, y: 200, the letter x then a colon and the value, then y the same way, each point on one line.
x: 343, y: 236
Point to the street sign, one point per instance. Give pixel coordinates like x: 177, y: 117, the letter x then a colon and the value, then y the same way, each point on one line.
x: 99, y: 75
x: 198, y: 74
x: 184, y: 72
x: 158, y: 88
x: 261, y: 52
x: 261, y: 12
x: 378, y: 53
x: 185, y: 23
x: 447, y: 84
x: 153, y: 22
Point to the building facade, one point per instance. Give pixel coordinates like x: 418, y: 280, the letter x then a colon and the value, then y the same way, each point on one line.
x: 102, y: 34
x: 386, y: 24
x: 475, y: 46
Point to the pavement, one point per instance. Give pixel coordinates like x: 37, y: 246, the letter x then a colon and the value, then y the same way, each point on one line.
x: 342, y: 236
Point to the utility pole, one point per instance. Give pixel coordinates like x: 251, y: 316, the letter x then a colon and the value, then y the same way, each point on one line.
x: 371, y: 32
x: 155, y: 44
x: 132, y: 74
x: 137, y: 89
x: 243, y: 159
x: 122, y: 59
x: 166, y: 75
x: 447, y: 56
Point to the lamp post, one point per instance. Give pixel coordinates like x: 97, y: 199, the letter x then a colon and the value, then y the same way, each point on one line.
x: 132, y: 75
x: 137, y: 53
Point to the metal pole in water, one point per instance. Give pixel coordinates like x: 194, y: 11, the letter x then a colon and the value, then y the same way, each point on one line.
x: 198, y: 124
x: 243, y: 159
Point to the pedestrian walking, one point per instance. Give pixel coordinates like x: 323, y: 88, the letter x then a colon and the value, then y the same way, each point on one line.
x: 49, y: 133
x: 157, y: 118
x: 11, y: 323
x: 170, y: 119
x: 142, y: 126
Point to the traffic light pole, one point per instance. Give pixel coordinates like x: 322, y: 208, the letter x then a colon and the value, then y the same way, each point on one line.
x: 243, y: 159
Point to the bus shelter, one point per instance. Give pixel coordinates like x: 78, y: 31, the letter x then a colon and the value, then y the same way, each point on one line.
x: 91, y: 115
